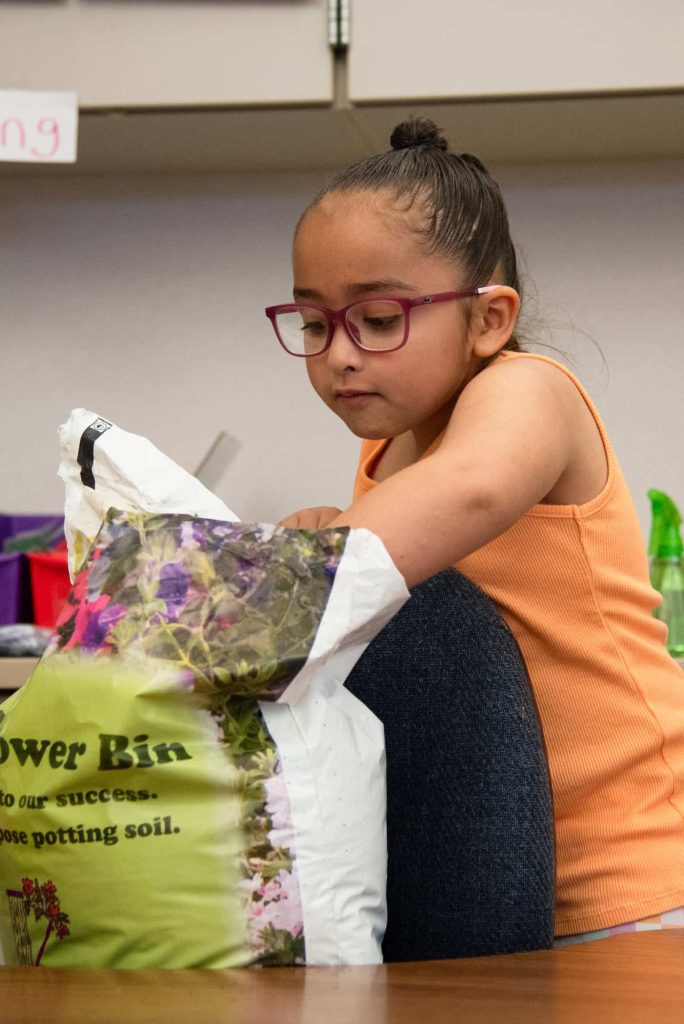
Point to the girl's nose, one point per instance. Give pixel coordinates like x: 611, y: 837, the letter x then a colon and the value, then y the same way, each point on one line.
x: 343, y: 353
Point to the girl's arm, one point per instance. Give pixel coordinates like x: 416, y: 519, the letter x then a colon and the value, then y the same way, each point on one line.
x: 519, y: 431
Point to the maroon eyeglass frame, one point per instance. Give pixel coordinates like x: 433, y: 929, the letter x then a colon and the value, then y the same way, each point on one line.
x: 341, y: 316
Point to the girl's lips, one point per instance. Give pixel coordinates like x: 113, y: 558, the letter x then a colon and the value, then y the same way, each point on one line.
x: 354, y: 394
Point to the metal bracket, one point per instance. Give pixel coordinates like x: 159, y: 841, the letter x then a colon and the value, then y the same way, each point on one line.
x: 339, y: 16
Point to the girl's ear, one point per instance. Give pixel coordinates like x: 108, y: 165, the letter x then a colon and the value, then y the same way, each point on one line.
x: 493, y: 320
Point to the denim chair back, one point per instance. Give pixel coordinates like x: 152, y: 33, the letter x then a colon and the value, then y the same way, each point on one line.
x: 469, y: 815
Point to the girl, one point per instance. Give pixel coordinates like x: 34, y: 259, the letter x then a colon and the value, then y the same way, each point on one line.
x: 480, y: 456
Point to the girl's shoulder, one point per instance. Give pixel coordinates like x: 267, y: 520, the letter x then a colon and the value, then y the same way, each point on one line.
x: 558, y: 397
x: 531, y: 359
x: 537, y: 370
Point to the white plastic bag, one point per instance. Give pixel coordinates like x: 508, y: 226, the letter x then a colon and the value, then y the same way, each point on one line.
x: 104, y: 467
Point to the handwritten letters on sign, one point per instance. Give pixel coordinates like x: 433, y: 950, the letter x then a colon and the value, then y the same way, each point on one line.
x: 38, y: 127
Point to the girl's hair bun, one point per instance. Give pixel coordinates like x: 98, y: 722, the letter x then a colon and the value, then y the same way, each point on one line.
x: 417, y: 131
x: 474, y: 161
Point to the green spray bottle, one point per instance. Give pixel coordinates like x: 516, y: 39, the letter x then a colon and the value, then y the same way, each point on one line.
x: 667, y: 568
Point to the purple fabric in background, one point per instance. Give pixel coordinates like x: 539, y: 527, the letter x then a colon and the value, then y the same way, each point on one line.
x: 15, y: 585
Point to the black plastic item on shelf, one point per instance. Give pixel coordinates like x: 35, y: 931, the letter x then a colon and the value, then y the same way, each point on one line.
x: 23, y: 641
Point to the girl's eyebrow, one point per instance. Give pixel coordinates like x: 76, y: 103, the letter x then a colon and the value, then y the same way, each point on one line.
x: 386, y: 285
x: 389, y: 284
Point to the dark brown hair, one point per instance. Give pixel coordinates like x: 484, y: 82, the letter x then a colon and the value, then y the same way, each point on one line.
x: 466, y: 218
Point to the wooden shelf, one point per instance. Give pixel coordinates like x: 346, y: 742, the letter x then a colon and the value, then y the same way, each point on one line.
x: 15, y: 671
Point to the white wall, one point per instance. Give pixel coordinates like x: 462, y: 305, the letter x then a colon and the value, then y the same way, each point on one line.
x: 142, y: 298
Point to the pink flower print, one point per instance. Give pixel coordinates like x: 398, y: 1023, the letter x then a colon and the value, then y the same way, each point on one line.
x: 290, y: 915
x: 254, y: 884
x: 280, y: 906
x: 78, y: 595
x: 83, y: 615
x: 279, y: 810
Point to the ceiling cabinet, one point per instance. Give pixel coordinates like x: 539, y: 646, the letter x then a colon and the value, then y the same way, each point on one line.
x: 446, y: 49
x: 169, y: 53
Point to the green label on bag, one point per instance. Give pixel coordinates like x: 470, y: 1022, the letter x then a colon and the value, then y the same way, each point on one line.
x: 120, y: 840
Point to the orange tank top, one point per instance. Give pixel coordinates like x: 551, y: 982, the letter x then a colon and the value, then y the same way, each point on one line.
x: 572, y: 583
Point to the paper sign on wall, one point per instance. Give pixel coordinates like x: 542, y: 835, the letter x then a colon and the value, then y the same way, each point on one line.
x: 38, y: 127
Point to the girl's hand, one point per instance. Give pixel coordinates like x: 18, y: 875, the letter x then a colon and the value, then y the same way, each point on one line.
x: 311, y: 518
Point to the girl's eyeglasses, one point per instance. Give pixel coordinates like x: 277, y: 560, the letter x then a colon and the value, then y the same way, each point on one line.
x: 374, y: 325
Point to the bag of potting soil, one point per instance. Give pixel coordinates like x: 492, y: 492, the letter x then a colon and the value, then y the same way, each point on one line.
x: 184, y: 780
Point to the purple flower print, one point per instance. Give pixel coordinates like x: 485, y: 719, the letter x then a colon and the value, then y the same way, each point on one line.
x: 173, y: 588
x: 100, y: 621
x: 330, y: 569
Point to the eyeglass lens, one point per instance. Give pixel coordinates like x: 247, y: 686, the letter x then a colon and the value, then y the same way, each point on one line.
x: 375, y: 325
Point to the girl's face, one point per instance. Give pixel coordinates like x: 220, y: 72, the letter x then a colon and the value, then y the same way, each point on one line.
x: 357, y: 245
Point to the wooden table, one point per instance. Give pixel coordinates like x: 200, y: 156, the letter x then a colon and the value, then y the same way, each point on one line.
x: 629, y: 979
